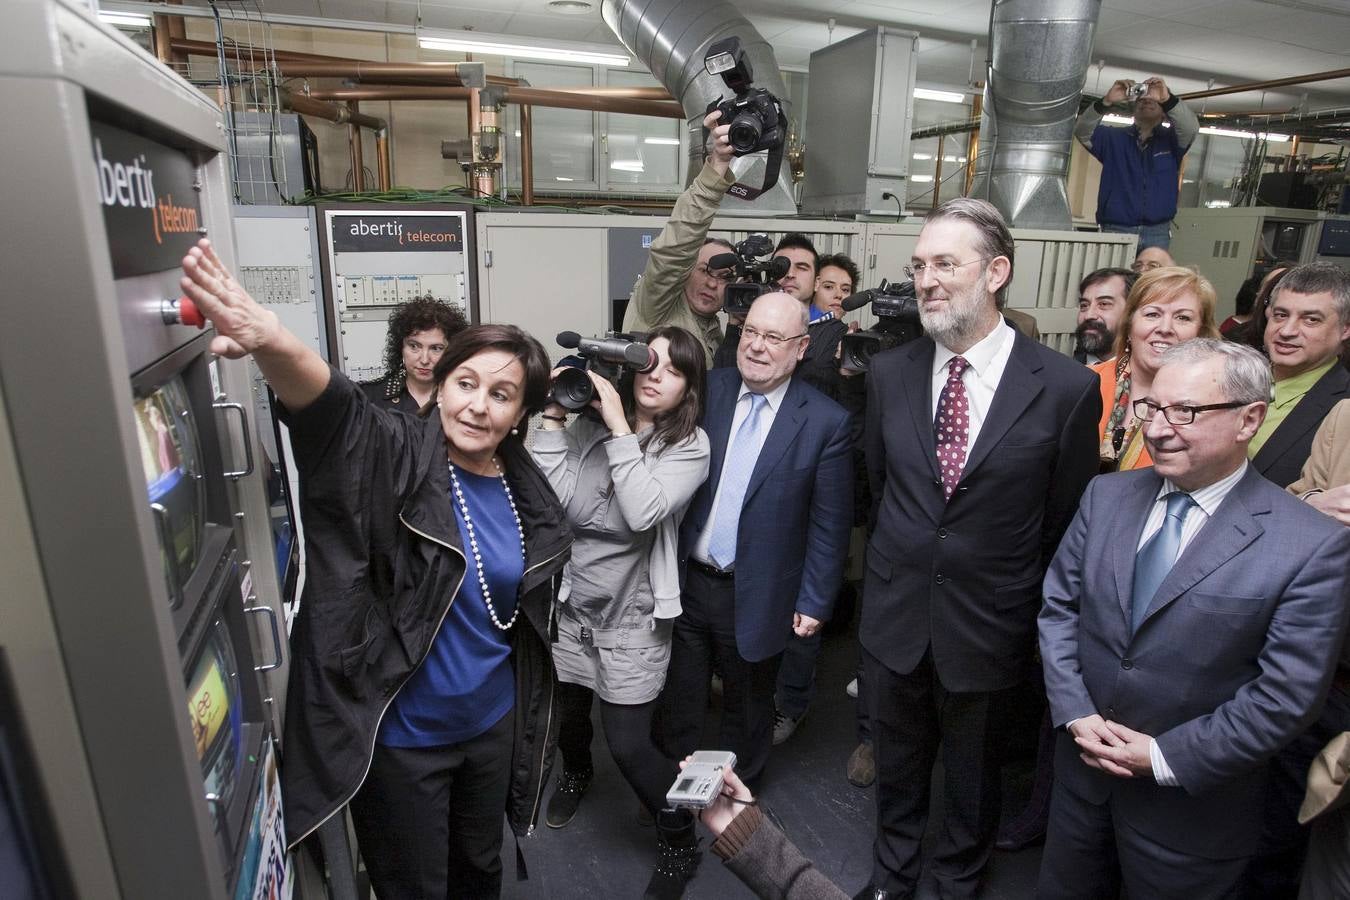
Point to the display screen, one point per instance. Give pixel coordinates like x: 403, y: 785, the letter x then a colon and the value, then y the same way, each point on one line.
x: 170, y: 460
x: 215, y: 711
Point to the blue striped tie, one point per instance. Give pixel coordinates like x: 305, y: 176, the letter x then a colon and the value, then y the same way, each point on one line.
x: 742, y: 453
x: 1154, y: 560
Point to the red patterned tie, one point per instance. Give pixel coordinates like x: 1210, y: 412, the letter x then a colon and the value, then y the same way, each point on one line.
x: 953, y: 426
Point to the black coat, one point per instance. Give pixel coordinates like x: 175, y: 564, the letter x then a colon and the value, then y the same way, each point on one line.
x: 963, y: 578
x: 1282, y: 456
x: 390, y: 393
x: 384, y: 564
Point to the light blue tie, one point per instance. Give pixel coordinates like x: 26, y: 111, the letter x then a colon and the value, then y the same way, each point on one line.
x: 737, y: 467
x: 1154, y: 560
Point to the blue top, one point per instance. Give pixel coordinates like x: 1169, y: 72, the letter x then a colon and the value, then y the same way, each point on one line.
x: 1138, y: 184
x: 466, y: 683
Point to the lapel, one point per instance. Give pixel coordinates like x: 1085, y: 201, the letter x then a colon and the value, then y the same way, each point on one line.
x: 916, y: 380
x: 717, y: 423
x: 1306, y: 415
x: 1016, y: 389
x: 1232, y: 527
x: 786, y: 424
x: 1134, y: 508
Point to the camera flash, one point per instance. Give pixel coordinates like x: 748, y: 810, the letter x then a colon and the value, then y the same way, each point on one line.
x: 719, y: 63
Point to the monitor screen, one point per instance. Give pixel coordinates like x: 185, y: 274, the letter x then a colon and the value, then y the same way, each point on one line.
x: 215, y: 710
x: 171, y: 461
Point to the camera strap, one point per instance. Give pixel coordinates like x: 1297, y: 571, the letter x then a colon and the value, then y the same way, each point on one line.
x: 772, y: 163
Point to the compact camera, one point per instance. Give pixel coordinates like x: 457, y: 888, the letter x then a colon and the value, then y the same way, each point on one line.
x: 701, y: 781
x: 754, y: 276
x: 608, y: 356
x: 1136, y: 91
x: 897, y: 311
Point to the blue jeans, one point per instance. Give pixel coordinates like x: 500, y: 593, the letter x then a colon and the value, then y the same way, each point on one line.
x: 1149, y: 235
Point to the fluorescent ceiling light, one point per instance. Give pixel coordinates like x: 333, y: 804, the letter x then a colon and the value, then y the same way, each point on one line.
x: 562, y: 178
x: 940, y: 96
x: 664, y: 142
x: 1218, y: 204
x: 627, y: 165
x: 1245, y: 135
x: 923, y: 156
x: 492, y: 45
x: 922, y: 178
x: 125, y: 19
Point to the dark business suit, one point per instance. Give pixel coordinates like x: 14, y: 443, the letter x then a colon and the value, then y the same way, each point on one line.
x: 791, y: 543
x: 952, y: 589
x: 1231, y: 662
x: 1282, y: 456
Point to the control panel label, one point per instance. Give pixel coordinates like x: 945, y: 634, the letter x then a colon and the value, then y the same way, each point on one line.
x: 397, y: 234
x: 151, y: 205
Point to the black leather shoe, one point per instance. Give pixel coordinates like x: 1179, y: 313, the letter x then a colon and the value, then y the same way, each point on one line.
x: 562, y: 806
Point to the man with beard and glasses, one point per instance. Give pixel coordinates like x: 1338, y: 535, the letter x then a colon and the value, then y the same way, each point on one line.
x: 979, y: 442
x: 1101, y: 301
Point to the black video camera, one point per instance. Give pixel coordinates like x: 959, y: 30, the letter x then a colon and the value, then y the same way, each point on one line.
x: 607, y: 356
x: 754, y: 276
x: 756, y: 116
x: 897, y: 311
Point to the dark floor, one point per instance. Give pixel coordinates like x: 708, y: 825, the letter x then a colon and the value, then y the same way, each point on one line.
x: 605, y: 853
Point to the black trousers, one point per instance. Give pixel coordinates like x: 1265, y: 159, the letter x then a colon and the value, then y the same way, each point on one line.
x: 706, y: 633
x: 912, y: 716
x: 628, y: 732
x: 1089, y: 853
x: 429, y: 819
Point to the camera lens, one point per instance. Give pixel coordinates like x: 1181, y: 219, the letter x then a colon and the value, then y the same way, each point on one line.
x: 572, y: 389
x: 745, y: 131
x: 858, y: 351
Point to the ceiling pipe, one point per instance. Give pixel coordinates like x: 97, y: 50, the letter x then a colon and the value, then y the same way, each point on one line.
x: 671, y: 38
x: 1038, y: 57
x: 350, y: 116
x: 522, y: 95
x: 1330, y: 75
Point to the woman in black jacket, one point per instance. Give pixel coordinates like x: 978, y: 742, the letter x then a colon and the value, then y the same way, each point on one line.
x: 421, y: 686
x: 419, y: 330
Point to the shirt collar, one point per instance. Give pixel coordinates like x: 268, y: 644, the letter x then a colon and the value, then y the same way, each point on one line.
x: 1209, y: 497
x: 819, y: 315
x: 980, y: 355
x: 773, y: 397
x: 1293, y: 389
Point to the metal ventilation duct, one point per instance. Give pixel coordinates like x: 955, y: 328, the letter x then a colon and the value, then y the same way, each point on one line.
x: 670, y: 37
x: 1039, y: 52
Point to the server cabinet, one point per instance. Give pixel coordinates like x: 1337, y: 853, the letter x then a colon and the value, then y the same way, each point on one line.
x: 128, y: 456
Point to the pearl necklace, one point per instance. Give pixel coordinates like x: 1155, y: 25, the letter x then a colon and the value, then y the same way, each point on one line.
x: 473, y: 541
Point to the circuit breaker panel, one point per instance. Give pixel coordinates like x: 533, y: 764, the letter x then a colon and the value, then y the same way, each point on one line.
x: 377, y: 258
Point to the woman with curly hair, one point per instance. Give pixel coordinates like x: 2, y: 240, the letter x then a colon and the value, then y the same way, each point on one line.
x: 419, y: 329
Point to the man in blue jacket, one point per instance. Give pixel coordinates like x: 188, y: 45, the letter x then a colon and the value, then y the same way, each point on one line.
x: 1141, y: 165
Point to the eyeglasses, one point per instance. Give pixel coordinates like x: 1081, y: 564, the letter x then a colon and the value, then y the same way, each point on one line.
x: 771, y: 338
x: 941, y: 270
x: 1180, y: 414
x: 722, y: 275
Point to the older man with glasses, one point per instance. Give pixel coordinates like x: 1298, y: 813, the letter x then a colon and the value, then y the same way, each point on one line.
x: 764, y: 540
x: 1193, y: 617
x: 979, y: 443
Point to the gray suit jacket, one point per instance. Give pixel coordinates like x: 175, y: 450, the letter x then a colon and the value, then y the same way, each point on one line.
x: 1232, y: 661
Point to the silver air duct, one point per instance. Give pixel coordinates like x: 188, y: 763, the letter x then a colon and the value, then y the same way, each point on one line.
x: 670, y: 37
x: 1040, y: 51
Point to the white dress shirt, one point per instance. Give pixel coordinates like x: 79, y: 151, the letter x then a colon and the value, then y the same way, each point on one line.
x: 772, y: 401
x: 1207, y: 500
x: 988, y: 358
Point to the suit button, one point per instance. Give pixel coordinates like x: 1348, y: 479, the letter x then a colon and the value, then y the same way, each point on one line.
x: 942, y: 532
x: 1110, y: 712
x: 1127, y: 663
x: 940, y: 579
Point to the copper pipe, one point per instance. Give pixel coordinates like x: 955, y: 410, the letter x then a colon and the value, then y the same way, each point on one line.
x: 937, y: 172
x: 354, y: 146
x: 308, y: 106
x: 383, y: 166
x: 1266, y: 85
x: 533, y: 96
x: 475, y: 123
x: 973, y: 146
x: 526, y: 154
x: 173, y: 27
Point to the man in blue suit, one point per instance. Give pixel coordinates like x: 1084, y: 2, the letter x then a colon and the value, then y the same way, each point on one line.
x: 1193, y: 618
x: 764, y: 539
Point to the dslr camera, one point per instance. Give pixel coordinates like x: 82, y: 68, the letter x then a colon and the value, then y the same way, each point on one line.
x: 756, y: 116
x: 697, y: 786
x: 608, y: 356
x: 897, y: 311
x: 754, y: 275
